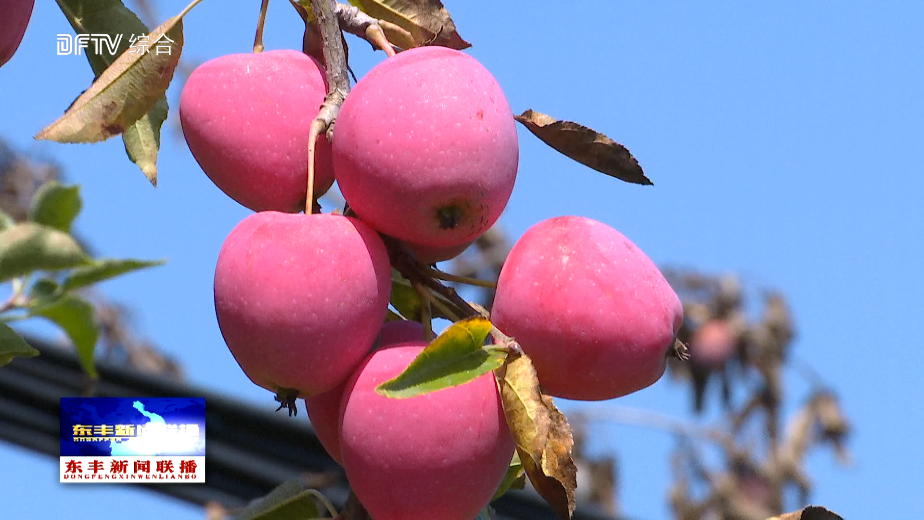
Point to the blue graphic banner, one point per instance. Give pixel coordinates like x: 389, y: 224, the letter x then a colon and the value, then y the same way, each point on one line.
x: 108, y: 439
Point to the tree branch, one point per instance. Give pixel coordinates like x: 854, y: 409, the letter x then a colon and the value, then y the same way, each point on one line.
x: 358, y: 23
x: 338, y: 84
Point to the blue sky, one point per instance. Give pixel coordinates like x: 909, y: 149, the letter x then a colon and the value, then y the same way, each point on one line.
x: 783, y: 141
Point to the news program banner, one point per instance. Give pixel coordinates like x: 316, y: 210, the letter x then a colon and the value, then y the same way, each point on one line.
x: 142, y: 440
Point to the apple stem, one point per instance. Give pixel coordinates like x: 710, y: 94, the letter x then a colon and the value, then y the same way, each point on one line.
x: 415, y: 271
x: 314, y: 132
x: 449, y: 277
x: 440, y: 296
x: 431, y: 299
x: 184, y: 12
x: 426, y: 313
x: 338, y: 84
x: 258, y: 38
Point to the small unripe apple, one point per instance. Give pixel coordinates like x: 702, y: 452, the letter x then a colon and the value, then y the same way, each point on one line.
x: 713, y: 344
x: 435, y: 456
x: 301, y: 298
x: 14, y: 18
x: 425, y: 148
x: 592, y: 311
x: 246, y: 119
x: 324, y: 409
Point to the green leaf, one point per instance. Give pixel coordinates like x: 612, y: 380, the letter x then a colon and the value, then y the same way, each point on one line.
x: 6, y: 221
x: 43, y: 291
x: 29, y: 247
x: 406, y: 301
x: 76, y: 317
x: 585, y: 145
x: 404, y: 298
x: 290, y: 500
x: 56, y: 205
x: 456, y: 357
x: 142, y: 140
x: 515, y: 478
x: 101, y: 270
x: 12, y: 345
x: 419, y: 22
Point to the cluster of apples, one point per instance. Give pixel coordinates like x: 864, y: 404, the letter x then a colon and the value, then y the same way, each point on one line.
x: 14, y: 18
x: 425, y: 151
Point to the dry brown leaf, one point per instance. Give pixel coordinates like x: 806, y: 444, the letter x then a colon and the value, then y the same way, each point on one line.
x: 542, y: 435
x: 124, y: 92
x: 585, y: 145
x: 527, y: 415
x: 427, y: 21
x: 558, y: 476
x: 809, y: 513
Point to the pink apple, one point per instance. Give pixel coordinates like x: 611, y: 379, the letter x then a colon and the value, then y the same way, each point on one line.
x: 425, y: 148
x: 592, y: 311
x: 439, y: 455
x: 14, y: 18
x: 301, y: 298
x: 324, y: 409
x: 246, y: 120
x: 432, y: 255
x: 713, y: 344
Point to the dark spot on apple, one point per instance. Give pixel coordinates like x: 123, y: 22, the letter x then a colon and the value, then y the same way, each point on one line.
x: 480, y: 114
x: 450, y: 216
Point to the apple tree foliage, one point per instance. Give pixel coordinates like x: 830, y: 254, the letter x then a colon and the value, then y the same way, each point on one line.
x: 46, y: 265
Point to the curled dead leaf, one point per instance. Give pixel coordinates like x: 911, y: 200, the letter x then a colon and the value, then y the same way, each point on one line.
x: 541, y: 433
x: 526, y: 414
x: 125, y: 91
x: 418, y: 22
x: 585, y: 145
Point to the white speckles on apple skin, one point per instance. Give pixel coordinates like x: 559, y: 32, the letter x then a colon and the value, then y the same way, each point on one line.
x: 400, y: 138
x: 593, y: 312
x: 439, y: 455
x: 249, y: 131
x: 289, y: 335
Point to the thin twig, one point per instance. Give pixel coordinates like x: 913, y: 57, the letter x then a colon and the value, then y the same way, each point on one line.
x: 449, y: 277
x: 258, y: 38
x: 426, y: 314
x: 431, y: 299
